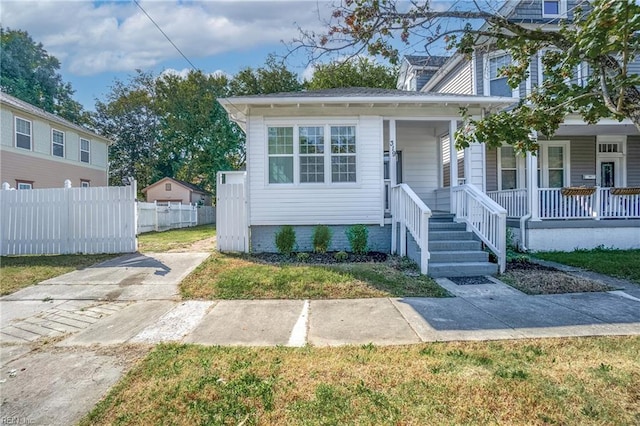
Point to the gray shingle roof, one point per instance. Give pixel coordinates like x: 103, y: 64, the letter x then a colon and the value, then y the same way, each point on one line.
x: 427, y: 61
x: 346, y: 92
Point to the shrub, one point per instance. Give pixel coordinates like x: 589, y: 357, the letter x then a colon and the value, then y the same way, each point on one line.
x: 358, y: 236
x: 302, y: 257
x: 341, y: 256
x: 286, y: 240
x: 321, y: 238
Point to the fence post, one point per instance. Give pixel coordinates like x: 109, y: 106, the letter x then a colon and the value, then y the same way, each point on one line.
x: 598, y: 204
x: 6, y: 186
x: 155, y: 204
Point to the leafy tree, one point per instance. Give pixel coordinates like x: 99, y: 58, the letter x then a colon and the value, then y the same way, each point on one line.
x: 356, y: 72
x: 604, y: 34
x: 274, y: 77
x: 129, y: 117
x: 29, y: 73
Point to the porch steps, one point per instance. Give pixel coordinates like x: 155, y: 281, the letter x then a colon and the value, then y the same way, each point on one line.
x: 454, y: 251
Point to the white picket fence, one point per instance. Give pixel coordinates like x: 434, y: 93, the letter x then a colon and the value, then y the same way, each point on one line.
x: 155, y: 217
x: 232, y: 219
x: 68, y: 220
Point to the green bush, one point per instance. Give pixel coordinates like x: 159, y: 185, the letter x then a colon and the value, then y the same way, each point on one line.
x: 341, y: 256
x: 358, y: 236
x: 286, y: 240
x: 321, y: 238
x: 302, y: 257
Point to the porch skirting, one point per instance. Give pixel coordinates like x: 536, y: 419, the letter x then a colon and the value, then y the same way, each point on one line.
x: 568, y: 235
x: 263, y: 238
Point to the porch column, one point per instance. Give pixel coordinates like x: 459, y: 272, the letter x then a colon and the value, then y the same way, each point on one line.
x: 393, y: 182
x: 532, y: 185
x: 453, y: 161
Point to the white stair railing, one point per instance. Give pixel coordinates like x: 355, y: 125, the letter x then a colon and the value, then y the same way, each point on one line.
x: 412, y: 214
x: 486, y: 218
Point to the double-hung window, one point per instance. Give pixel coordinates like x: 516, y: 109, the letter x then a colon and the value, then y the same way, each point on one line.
x: 23, y: 133
x: 497, y: 84
x: 554, y: 156
x: 308, y: 154
x: 57, y: 143
x: 311, y: 148
x: 85, y: 150
x: 508, y: 168
x: 280, y: 146
x: 343, y: 154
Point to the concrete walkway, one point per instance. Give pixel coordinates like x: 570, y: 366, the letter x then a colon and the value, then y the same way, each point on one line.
x: 95, y: 316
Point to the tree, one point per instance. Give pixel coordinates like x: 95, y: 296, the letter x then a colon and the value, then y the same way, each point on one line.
x: 356, y: 72
x: 129, y: 118
x: 274, y: 77
x: 29, y: 73
x: 604, y: 34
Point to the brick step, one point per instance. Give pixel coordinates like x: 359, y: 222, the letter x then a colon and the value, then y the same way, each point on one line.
x: 460, y: 256
x: 468, y: 269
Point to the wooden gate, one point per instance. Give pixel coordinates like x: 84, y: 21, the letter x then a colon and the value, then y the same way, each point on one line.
x: 232, y: 218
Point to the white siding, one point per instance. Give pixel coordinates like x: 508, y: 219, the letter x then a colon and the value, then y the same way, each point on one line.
x: 419, y: 148
x: 475, y: 164
x: 41, y: 137
x: 6, y: 129
x: 460, y: 81
x: 310, y: 204
x: 98, y: 153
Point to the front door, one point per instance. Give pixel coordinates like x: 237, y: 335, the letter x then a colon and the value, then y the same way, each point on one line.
x: 609, y: 172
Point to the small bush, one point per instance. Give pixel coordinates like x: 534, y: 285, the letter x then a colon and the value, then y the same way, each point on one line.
x: 302, y: 257
x: 321, y: 238
x: 358, y: 236
x: 341, y: 256
x: 286, y: 240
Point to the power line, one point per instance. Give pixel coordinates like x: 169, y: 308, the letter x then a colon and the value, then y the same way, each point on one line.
x: 165, y: 35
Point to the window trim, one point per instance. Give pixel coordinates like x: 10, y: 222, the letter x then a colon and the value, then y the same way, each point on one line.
x: 85, y: 181
x: 544, y: 161
x: 326, y: 125
x: 24, y: 182
x: 167, y: 186
x: 64, y: 138
x: 486, y: 77
x: 620, y: 155
x: 562, y: 9
x: 88, y: 151
x: 15, y: 132
x: 520, y: 170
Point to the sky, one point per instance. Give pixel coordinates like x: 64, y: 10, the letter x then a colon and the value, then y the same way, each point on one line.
x: 101, y: 41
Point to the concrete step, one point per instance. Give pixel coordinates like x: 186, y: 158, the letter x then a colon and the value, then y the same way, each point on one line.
x: 461, y: 256
x: 450, y: 235
x: 441, y: 217
x: 455, y: 245
x: 447, y: 226
x: 469, y: 269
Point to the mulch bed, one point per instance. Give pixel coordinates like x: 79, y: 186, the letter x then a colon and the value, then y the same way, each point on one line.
x: 532, y: 278
x: 320, y: 258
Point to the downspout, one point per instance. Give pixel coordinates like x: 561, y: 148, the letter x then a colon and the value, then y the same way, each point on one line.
x: 523, y: 231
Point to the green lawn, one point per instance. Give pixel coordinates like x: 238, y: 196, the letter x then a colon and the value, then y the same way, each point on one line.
x: 616, y: 263
x: 224, y: 276
x: 577, y: 381
x: 156, y: 242
x: 22, y: 271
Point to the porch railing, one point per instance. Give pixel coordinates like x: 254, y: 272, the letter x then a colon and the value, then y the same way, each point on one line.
x: 486, y: 218
x: 624, y: 206
x: 412, y: 214
x: 515, y: 201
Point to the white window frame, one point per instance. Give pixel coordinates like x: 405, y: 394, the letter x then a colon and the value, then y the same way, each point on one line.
x: 544, y: 161
x: 53, y: 143
x: 15, y: 135
x: 327, y: 125
x: 85, y: 183
x: 621, y: 155
x: 342, y: 155
x: 520, y: 170
x: 562, y: 9
x: 20, y: 184
x: 88, y: 150
x: 326, y: 177
x: 515, y: 92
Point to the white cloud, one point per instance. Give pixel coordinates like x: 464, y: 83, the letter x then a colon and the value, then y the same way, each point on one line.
x: 91, y: 38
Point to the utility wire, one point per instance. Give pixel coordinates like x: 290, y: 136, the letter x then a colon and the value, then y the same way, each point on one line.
x: 165, y: 35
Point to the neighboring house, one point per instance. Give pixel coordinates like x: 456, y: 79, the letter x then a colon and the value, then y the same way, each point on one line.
x: 415, y: 71
x: 170, y: 190
x: 41, y: 150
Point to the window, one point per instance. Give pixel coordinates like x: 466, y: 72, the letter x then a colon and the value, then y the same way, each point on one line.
x: 343, y: 154
x: 57, y: 140
x: 24, y: 184
x: 554, y: 170
x: 85, y: 152
x: 280, y: 149
x: 554, y: 8
x: 508, y: 168
x: 23, y: 133
x: 556, y: 166
x: 167, y: 187
x: 311, y: 148
x: 85, y: 183
x: 497, y: 84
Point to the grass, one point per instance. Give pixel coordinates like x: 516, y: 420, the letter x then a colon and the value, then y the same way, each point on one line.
x: 616, y: 263
x: 174, y: 239
x: 584, y: 381
x: 18, y: 272
x: 224, y: 276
